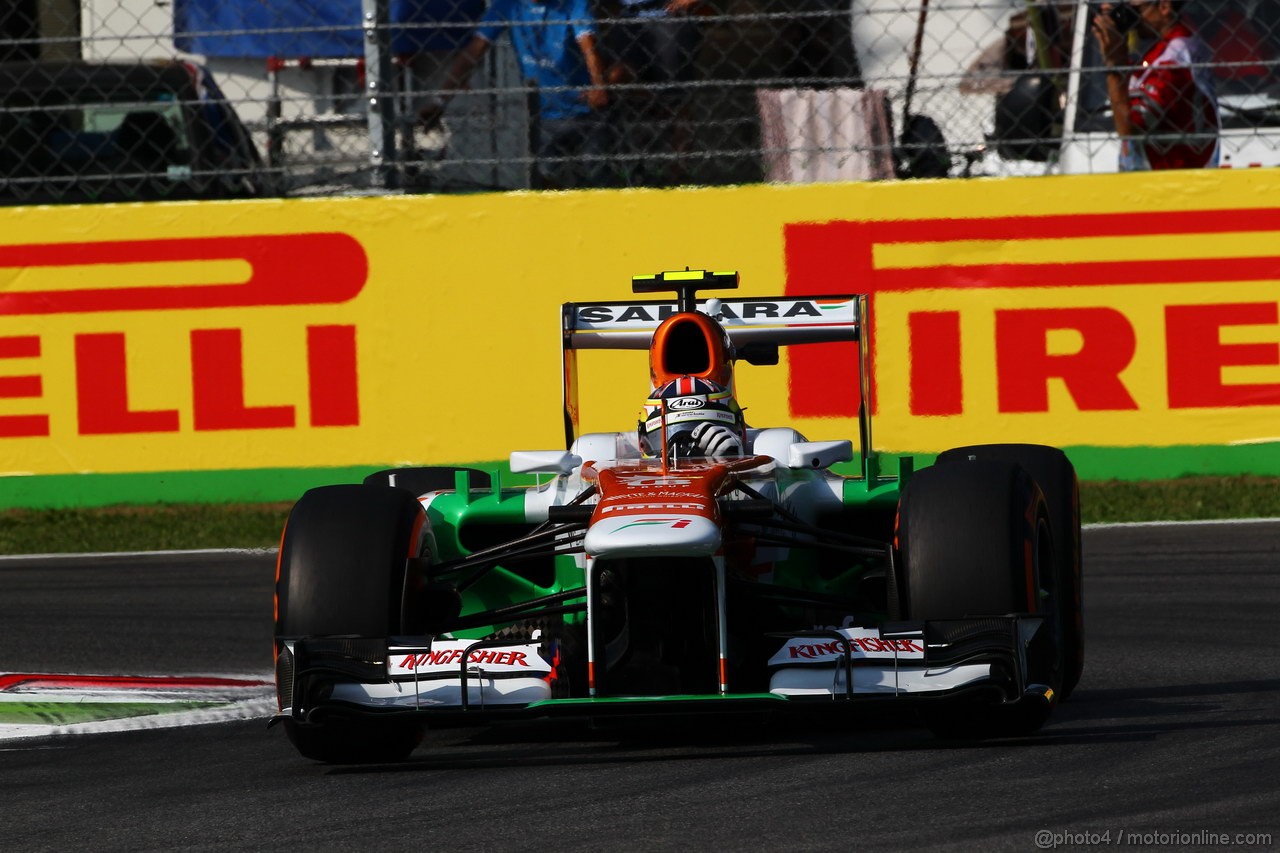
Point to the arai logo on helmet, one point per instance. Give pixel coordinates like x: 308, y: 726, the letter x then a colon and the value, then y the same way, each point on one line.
x: 682, y: 403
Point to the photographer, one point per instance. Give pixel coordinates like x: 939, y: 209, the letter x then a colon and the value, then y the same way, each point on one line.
x: 1165, y: 111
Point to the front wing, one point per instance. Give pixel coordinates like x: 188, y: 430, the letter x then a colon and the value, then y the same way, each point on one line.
x: 323, y: 677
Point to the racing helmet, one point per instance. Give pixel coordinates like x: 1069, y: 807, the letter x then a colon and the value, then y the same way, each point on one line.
x: 681, y: 406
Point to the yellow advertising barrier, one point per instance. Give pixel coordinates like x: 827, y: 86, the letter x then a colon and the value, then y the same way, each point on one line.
x: 1136, y: 311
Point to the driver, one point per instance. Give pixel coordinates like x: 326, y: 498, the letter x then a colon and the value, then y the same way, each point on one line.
x: 700, y: 416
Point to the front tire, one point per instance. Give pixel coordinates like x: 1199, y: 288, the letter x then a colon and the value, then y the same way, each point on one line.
x: 1056, y: 476
x: 974, y: 540
x: 341, y: 573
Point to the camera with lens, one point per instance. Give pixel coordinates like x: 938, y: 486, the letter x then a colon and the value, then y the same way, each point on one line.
x: 1124, y: 16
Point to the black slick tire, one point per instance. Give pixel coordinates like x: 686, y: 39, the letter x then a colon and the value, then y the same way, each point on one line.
x: 974, y: 540
x: 341, y: 573
x: 1056, y: 476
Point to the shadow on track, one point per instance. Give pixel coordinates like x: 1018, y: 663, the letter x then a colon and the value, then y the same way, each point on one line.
x: 1147, y: 712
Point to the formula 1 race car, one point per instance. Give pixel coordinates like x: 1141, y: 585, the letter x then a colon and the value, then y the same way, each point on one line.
x: 692, y: 565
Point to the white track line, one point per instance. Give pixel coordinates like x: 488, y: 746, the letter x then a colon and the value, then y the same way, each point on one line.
x: 104, y: 555
x: 1207, y: 522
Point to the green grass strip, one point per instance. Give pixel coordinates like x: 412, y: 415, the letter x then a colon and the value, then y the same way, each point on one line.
x: 69, y: 713
x: 1187, y: 499
x: 141, y: 528
x: 269, y: 485
x: 189, y: 526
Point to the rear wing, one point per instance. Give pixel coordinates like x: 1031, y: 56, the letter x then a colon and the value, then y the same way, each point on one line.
x: 781, y: 321
x: 750, y: 322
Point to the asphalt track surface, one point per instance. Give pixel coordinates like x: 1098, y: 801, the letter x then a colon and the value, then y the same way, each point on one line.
x: 1175, y: 729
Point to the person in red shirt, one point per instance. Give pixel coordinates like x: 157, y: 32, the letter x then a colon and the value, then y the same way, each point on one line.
x: 1166, y: 111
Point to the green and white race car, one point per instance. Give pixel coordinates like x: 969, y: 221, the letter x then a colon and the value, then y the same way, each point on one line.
x: 691, y: 565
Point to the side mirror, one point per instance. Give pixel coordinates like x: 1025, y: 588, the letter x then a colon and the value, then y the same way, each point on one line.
x: 543, y: 461
x: 819, y: 454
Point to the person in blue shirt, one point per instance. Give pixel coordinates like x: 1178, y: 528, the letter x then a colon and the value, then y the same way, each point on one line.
x: 556, y: 43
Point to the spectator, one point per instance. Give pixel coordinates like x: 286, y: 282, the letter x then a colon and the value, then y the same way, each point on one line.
x: 655, y: 43
x: 1167, y: 115
x: 556, y: 43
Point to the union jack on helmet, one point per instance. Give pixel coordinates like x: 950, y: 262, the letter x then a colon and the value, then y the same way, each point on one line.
x: 681, y: 405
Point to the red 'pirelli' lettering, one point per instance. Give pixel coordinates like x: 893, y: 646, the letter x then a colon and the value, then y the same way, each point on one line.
x: 18, y: 387
x: 1196, y: 355
x: 1092, y: 374
x: 24, y: 426
x: 332, y: 377
x: 826, y: 258
x: 217, y: 384
x: 285, y: 269
x: 937, y: 382
x: 102, y: 390
x: 20, y: 346
x: 22, y: 387
x: 840, y: 257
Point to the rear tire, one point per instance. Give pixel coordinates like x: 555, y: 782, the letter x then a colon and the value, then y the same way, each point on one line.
x: 1056, y: 476
x: 975, y: 541
x: 341, y: 573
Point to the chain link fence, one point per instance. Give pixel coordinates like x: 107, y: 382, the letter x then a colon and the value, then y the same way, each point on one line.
x: 109, y: 99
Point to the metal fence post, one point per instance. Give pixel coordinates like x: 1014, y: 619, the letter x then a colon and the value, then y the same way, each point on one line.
x: 380, y: 90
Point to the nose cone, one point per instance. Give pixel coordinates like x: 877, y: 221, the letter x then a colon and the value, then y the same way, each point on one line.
x: 653, y: 536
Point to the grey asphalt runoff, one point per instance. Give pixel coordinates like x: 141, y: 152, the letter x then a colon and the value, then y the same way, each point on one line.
x: 1172, y: 737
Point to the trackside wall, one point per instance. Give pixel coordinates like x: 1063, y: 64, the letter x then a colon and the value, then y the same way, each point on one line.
x: 248, y: 350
